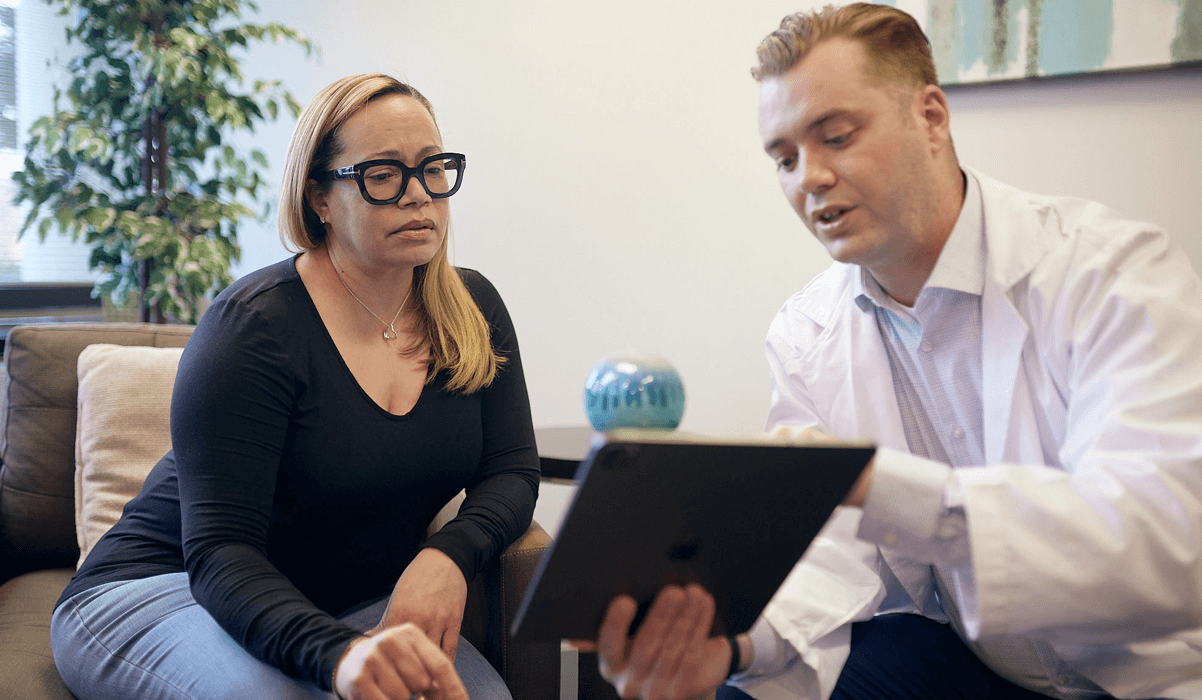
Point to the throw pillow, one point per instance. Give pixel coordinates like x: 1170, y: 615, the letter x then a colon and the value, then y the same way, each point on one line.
x: 122, y: 431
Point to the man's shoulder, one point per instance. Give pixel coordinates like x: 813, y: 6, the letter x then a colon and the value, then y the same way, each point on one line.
x: 815, y: 306
x: 1029, y: 232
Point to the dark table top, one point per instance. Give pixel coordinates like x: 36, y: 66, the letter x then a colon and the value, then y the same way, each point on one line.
x: 560, y: 449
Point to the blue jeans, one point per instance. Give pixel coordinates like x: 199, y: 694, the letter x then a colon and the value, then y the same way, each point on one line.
x: 909, y: 657
x: 149, y: 639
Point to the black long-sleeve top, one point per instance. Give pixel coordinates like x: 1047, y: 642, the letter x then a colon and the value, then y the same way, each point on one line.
x: 290, y: 496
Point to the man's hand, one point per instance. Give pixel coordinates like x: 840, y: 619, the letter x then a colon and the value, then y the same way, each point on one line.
x: 396, y: 664
x: 430, y: 594
x: 672, y: 657
x: 792, y: 433
x: 859, y: 490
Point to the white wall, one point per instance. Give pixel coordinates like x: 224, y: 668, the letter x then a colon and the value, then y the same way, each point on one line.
x: 617, y: 193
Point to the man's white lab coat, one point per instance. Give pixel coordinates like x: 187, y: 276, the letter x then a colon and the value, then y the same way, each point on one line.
x: 1086, y: 523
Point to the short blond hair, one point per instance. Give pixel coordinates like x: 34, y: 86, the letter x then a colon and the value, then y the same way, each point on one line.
x: 448, y: 320
x: 898, y: 51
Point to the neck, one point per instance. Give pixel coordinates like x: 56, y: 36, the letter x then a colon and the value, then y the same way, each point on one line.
x: 903, y: 278
x: 381, y: 291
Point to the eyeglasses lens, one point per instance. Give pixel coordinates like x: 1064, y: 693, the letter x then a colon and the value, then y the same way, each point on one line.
x: 385, y: 181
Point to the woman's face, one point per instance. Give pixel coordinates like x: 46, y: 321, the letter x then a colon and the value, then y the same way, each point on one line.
x: 406, y: 233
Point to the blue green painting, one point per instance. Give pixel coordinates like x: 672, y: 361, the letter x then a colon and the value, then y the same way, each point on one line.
x: 985, y: 40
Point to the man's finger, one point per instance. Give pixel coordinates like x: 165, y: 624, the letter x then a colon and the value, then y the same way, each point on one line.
x: 678, y: 640
x: 611, y: 638
x: 796, y: 434
x: 652, y: 634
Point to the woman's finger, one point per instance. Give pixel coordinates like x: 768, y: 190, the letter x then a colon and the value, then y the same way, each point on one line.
x: 438, y: 673
x: 450, y: 641
x: 386, y: 680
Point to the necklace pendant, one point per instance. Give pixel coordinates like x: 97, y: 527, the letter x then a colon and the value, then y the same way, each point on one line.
x: 390, y: 333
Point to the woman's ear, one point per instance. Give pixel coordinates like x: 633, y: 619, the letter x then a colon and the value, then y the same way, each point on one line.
x: 315, y: 195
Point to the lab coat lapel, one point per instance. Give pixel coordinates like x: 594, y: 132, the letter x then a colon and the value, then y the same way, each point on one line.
x: 1003, y: 335
x: 1015, y: 242
x: 858, y: 387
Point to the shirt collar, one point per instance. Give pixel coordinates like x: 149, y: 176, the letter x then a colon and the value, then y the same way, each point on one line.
x: 961, y: 263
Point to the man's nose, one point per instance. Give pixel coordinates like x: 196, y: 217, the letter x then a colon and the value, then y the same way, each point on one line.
x: 817, y: 176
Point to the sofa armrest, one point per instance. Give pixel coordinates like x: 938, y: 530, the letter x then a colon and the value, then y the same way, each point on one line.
x: 531, y: 670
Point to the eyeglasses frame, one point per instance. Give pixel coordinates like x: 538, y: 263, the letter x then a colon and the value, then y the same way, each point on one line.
x: 355, y: 172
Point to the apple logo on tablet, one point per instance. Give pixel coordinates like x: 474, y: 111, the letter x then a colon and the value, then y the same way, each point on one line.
x: 685, y: 551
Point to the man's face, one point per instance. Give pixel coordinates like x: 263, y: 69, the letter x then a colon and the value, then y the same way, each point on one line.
x: 853, y: 155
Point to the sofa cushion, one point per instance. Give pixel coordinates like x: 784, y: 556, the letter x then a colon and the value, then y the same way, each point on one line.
x: 26, y: 665
x: 123, y: 429
x: 37, y: 435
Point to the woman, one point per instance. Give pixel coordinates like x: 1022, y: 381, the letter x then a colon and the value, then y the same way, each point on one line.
x: 325, y: 409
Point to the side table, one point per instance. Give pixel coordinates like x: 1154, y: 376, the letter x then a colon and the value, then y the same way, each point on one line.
x: 560, y: 450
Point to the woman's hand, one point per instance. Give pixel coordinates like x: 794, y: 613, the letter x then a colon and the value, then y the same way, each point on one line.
x: 430, y: 594
x: 396, y: 664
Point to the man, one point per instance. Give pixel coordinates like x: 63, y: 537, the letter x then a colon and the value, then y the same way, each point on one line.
x: 1032, y: 523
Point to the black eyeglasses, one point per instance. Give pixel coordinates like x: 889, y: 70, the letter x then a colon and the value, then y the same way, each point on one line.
x: 383, y: 181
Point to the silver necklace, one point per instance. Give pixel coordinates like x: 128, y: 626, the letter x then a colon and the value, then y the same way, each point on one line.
x: 389, y: 329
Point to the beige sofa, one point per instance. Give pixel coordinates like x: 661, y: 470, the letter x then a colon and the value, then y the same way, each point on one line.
x: 39, y: 545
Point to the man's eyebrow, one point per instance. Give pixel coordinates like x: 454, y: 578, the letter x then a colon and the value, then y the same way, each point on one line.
x: 813, y: 124
x: 824, y: 118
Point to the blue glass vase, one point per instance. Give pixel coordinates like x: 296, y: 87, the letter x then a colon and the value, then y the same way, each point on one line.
x: 634, y: 391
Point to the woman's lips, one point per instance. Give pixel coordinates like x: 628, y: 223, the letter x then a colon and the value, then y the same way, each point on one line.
x: 416, y: 229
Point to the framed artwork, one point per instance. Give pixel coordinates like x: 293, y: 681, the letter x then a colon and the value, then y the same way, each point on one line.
x: 977, y: 41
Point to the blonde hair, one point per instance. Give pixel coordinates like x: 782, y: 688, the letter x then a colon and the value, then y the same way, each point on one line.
x: 448, y: 319
x: 897, y: 49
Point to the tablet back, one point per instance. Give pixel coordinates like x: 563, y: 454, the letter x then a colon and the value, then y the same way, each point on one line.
x: 653, y: 510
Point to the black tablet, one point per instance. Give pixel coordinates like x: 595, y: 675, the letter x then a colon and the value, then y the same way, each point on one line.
x: 656, y: 507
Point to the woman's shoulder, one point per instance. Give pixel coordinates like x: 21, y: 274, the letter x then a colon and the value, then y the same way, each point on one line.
x: 473, y: 279
x: 252, y: 286
x: 482, y: 290
x: 270, y: 301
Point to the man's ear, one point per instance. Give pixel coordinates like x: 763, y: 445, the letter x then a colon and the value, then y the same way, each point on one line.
x: 936, y: 116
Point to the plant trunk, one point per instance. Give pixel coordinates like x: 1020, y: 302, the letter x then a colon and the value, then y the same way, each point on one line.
x: 154, y: 177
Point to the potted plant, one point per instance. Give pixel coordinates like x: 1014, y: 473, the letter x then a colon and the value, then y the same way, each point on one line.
x: 139, y: 161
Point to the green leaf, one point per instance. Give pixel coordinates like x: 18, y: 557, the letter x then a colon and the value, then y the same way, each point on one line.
x: 82, y: 171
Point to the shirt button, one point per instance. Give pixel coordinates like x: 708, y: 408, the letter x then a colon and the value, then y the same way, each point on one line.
x: 926, y: 346
x: 890, y: 539
x: 958, y: 432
